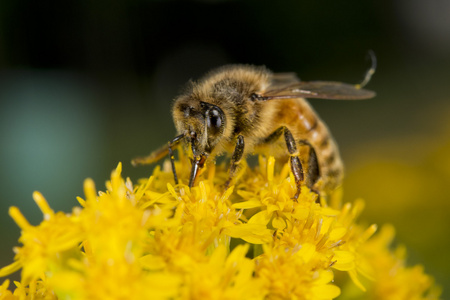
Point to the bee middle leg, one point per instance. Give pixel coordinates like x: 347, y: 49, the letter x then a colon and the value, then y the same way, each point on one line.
x: 296, y: 165
x: 235, y: 159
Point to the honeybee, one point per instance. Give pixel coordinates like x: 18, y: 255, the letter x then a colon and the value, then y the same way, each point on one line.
x: 244, y: 109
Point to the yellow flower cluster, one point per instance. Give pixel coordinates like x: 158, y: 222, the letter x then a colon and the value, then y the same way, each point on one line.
x: 154, y: 240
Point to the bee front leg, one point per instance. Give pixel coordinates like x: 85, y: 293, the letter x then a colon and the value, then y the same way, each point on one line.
x: 172, y: 162
x: 235, y: 159
x: 174, y: 143
x: 160, y: 154
x: 296, y: 165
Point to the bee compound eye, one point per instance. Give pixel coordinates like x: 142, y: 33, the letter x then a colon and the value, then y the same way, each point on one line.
x: 214, y: 120
x: 187, y: 111
x: 254, y: 96
x: 193, y: 135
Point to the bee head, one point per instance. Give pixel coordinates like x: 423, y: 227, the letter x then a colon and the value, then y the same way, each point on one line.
x: 202, y: 125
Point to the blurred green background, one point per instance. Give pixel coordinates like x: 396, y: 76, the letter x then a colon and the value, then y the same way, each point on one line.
x: 85, y: 84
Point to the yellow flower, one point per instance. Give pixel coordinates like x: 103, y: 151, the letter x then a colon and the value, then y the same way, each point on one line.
x: 223, y: 276
x: 4, y: 292
x: 154, y: 240
x: 36, y: 289
x: 391, y: 278
x: 290, y: 273
x: 45, y: 246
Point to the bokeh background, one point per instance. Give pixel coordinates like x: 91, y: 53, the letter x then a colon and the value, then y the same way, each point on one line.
x: 85, y: 84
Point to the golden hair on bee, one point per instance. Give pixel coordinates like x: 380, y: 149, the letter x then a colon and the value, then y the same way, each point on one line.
x: 242, y: 109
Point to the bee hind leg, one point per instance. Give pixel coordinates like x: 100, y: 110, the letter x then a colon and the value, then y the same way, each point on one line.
x: 235, y: 159
x: 312, y: 170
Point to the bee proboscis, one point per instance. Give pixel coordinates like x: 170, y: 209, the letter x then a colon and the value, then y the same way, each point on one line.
x: 243, y: 109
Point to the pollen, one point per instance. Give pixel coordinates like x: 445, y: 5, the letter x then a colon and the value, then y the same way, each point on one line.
x: 156, y: 240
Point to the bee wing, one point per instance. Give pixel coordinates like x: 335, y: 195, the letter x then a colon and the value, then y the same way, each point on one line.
x: 317, y: 89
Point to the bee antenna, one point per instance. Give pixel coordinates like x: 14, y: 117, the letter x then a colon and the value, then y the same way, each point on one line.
x: 369, y: 72
x: 205, y: 135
